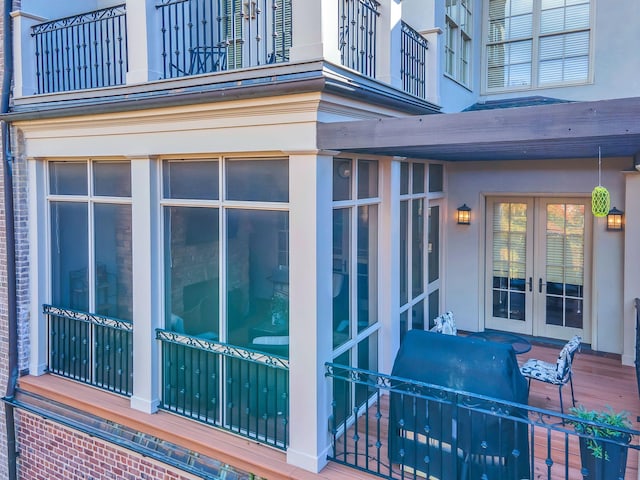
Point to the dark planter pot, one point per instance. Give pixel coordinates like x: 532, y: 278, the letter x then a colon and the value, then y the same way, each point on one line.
x: 600, y: 469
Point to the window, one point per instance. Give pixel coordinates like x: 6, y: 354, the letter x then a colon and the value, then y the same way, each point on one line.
x: 457, y: 47
x: 201, y: 227
x: 419, y: 244
x: 90, y: 218
x: 355, y: 271
x: 532, y: 44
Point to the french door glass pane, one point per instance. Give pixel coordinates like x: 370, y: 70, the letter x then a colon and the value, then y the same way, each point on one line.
x: 509, y: 260
x: 191, y: 271
x: 565, y: 231
x: 113, y: 265
x: 257, y: 285
x: 70, y: 255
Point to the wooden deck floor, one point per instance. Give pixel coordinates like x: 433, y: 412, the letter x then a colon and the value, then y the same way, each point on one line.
x: 599, y: 380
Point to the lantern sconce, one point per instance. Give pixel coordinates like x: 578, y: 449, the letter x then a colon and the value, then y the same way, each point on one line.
x: 615, y: 220
x: 464, y: 215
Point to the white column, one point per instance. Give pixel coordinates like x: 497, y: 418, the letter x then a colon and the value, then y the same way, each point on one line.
x: 433, y: 64
x: 315, y: 31
x: 144, y: 39
x: 631, y: 261
x: 389, y: 279
x: 310, y: 277
x: 389, y: 43
x: 24, y: 54
x: 146, y: 283
x: 38, y: 266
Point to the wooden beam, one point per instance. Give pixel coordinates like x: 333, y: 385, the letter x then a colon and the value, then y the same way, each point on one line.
x: 545, y: 126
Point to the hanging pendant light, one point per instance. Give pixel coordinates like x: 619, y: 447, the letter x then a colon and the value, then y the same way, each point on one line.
x: 600, y: 199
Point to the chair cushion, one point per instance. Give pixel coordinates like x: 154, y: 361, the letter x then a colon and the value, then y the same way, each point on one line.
x: 541, y: 370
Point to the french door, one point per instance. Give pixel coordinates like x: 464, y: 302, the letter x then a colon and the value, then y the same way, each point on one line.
x: 538, y: 266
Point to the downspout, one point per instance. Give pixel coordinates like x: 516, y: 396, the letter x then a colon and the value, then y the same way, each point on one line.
x: 12, y: 311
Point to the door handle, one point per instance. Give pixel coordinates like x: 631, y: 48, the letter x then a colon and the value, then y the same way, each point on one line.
x: 530, y: 282
x: 540, y: 284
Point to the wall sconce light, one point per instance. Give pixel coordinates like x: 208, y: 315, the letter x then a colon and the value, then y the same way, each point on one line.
x: 464, y: 215
x: 615, y: 220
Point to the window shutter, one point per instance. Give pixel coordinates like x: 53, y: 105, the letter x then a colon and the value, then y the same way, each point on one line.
x: 282, y: 31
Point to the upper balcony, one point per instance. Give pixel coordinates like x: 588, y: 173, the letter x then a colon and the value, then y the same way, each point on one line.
x: 122, y: 44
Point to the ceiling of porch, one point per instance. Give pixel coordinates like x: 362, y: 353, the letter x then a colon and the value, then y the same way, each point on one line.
x: 561, y: 130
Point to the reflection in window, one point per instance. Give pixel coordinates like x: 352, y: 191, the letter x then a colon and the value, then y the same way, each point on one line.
x: 190, y: 179
x: 91, y: 263
x: 257, y: 284
x: 341, y: 270
x: 257, y: 180
x: 191, y: 271
x: 367, y: 266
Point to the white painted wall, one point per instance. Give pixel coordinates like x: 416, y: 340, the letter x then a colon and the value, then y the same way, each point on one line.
x: 59, y: 9
x: 471, y: 182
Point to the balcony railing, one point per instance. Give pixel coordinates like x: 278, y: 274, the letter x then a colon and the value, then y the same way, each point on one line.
x: 357, y: 24
x: 203, y: 36
x: 84, y: 51
x: 232, y: 388
x: 90, y: 348
x: 397, y: 428
x: 413, y: 62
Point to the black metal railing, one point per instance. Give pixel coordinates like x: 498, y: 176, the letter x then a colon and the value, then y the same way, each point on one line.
x: 357, y: 24
x: 397, y: 428
x: 204, y: 36
x: 228, y: 387
x: 83, y: 51
x: 413, y: 62
x: 90, y: 348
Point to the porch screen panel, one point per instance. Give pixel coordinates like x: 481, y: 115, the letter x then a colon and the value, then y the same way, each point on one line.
x: 191, y: 270
x: 113, y: 261
x: 70, y: 255
x: 509, y: 260
x: 565, y: 235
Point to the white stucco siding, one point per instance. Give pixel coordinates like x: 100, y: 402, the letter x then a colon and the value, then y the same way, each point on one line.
x: 473, y: 182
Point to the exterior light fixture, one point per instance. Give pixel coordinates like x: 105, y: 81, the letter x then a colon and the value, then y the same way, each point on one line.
x: 464, y: 215
x: 615, y: 219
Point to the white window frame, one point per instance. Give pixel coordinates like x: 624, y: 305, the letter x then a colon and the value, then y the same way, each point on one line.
x: 535, y: 55
x: 462, y: 39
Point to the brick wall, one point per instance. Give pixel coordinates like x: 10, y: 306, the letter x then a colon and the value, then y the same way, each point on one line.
x: 49, y: 451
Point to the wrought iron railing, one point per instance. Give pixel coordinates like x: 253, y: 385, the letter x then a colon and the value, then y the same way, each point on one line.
x: 397, y: 428
x: 232, y: 388
x: 90, y: 348
x: 413, y: 62
x: 204, y: 36
x: 83, y: 51
x: 357, y: 24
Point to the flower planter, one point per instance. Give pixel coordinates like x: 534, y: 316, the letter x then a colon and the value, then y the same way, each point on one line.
x: 611, y: 466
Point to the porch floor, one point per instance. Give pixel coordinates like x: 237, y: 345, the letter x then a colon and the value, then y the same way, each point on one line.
x: 599, y: 380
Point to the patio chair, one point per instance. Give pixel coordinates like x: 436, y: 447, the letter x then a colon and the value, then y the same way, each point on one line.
x: 445, y: 324
x: 559, y: 373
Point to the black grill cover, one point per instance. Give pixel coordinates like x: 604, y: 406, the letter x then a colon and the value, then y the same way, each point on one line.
x: 423, y: 432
